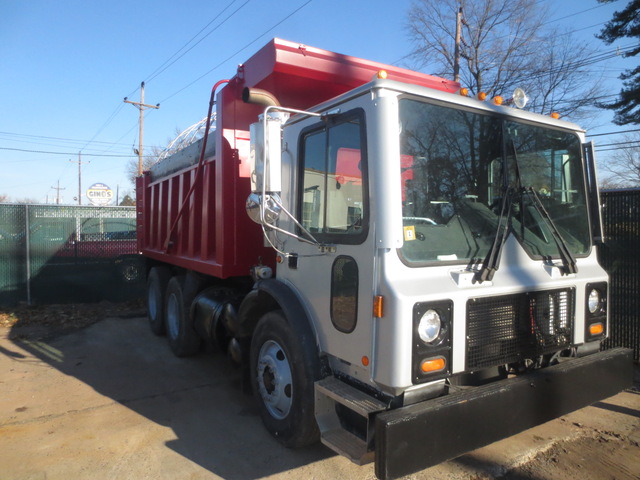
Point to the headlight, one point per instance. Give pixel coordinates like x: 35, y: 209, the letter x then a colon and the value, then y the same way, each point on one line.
x: 430, y: 326
x: 594, y: 302
x: 595, y: 318
x: 431, y: 338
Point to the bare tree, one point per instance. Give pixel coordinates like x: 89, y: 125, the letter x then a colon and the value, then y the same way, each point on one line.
x: 148, y: 160
x: 129, y: 200
x: 504, y: 44
x: 27, y: 200
x: 623, y: 169
x: 4, y: 198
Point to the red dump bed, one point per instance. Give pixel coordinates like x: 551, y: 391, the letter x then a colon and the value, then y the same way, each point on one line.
x: 213, y: 234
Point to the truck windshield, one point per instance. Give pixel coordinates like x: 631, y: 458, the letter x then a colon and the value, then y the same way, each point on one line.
x: 456, y: 167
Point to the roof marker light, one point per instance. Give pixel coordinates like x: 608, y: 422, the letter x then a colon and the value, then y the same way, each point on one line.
x: 519, y: 98
x: 464, y: 91
x: 382, y: 74
x: 497, y: 100
x: 481, y: 96
x: 555, y: 115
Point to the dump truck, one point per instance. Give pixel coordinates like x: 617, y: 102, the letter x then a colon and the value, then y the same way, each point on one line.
x: 405, y: 272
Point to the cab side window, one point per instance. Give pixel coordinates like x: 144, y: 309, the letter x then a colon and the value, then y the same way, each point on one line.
x: 333, y: 199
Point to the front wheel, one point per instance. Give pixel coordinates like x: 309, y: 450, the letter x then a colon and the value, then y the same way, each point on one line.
x: 283, y: 372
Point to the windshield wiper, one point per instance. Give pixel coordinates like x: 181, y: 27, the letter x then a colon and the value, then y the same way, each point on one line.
x: 492, y: 260
x: 568, y: 260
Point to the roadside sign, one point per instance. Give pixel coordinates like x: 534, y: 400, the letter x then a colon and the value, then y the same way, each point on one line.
x: 99, y: 194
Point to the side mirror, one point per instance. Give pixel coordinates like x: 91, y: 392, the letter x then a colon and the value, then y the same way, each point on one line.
x: 263, y: 211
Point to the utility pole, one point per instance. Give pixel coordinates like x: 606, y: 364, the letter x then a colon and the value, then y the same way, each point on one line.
x: 57, y: 189
x: 141, y: 106
x: 79, y: 162
x: 456, y: 53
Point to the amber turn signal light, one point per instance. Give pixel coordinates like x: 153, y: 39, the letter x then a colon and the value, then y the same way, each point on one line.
x: 430, y: 365
x: 596, y: 329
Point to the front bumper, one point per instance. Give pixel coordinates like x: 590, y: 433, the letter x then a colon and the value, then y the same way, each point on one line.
x: 413, y: 438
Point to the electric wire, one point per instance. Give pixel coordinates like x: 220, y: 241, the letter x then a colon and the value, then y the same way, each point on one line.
x: 258, y: 37
x: 184, y: 50
x: 179, y: 55
x: 65, y: 153
x: 164, y: 66
x: 614, y: 133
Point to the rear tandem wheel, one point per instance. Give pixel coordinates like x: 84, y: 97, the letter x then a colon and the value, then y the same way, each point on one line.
x: 183, y: 339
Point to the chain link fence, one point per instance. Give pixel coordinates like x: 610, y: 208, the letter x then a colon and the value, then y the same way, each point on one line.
x: 61, y: 254
x: 620, y: 256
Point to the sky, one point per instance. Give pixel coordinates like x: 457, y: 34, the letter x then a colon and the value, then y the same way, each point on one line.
x: 65, y: 68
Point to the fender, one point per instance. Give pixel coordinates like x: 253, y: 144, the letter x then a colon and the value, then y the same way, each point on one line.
x: 270, y: 295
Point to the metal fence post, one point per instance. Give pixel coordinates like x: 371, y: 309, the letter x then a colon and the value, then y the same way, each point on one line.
x: 27, y: 229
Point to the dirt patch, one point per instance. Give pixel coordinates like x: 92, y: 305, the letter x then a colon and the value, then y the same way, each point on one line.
x: 41, y: 321
x: 598, y: 455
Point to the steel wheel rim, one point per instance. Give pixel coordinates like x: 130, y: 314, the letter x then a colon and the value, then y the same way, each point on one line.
x: 274, y: 378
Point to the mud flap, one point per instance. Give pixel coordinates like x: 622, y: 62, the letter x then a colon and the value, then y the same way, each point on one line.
x: 419, y: 436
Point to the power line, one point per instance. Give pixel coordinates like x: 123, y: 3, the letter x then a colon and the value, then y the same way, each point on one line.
x: 610, y: 149
x: 62, y: 144
x: 574, y: 14
x: 104, y: 125
x: 238, y: 51
x: 70, y: 140
x: 620, y: 143
x: 600, y: 57
x: 66, y: 153
x: 171, y: 60
x: 614, y: 133
x: 164, y: 66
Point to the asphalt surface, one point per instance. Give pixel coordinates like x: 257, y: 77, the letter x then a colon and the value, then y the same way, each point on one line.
x: 111, y: 402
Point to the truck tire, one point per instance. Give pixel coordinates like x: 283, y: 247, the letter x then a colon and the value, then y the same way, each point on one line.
x: 183, y: 339
x: 157, y: 282
x: 283, y: 371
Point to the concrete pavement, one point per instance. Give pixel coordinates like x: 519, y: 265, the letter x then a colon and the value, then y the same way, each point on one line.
x: 111, y: 402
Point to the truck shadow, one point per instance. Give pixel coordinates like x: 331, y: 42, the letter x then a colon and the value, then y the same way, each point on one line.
x: 200, y: 399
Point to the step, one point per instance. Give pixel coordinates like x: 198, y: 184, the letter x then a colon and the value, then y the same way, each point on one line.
x: 350, y: 397
x: 348, y: 445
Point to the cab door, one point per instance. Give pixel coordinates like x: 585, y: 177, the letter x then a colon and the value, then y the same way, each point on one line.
x: 331, y: 197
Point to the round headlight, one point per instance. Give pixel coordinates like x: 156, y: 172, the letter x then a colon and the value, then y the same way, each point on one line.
x: 429, y: 326
x: 593, y: 303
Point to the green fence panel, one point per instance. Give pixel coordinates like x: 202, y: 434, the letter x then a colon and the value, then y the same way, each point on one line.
x: 13, y: 267
x: 620, y: 256
x: 60, y: 254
